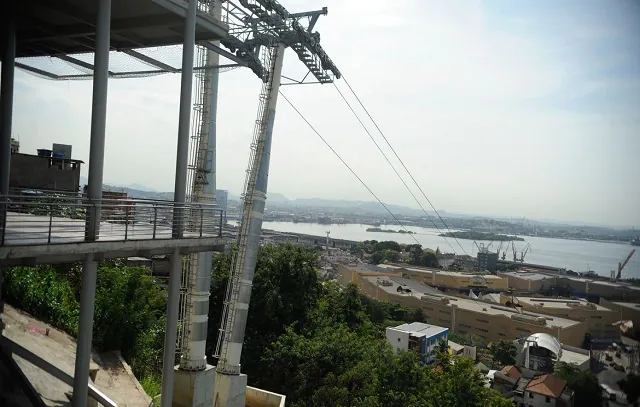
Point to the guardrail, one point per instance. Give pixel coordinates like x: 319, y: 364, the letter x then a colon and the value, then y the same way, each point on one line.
x: 26, y: 220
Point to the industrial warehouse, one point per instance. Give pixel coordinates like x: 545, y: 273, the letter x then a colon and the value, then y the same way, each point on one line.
x: 497, y: 314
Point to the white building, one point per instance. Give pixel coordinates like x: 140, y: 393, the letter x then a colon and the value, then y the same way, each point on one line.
x: 422, y: 337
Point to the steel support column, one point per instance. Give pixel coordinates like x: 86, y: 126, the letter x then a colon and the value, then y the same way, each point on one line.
x: 6, y: 116
x: 184, y: 119
x: 173, y: 304
x: 179, y: 197
x: 6, y: 101
x: 94, y: 192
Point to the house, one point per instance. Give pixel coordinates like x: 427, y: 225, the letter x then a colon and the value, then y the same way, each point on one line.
x: 418, y: 336
x: 528, y: 389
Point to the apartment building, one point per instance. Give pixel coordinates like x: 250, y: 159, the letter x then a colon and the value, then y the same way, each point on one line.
x: 599, y: 319
x: 453, y: 281
x: 418, y: 336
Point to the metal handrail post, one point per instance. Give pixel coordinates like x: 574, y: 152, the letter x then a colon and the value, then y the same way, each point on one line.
x: 155, y: 219
x: 50, y: 222
x: 220, y: 226
x: 126, y: 221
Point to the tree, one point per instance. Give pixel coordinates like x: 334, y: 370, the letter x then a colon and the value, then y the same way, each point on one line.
x: 387, y: 245
x: 429, y: 259
x: 443, y: 346
x: 631, y: 387
x: 584, y: 384
x: 504, y: 352
x: 377, y: 258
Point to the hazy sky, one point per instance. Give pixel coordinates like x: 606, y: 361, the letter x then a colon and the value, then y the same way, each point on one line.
x: 509, y: 108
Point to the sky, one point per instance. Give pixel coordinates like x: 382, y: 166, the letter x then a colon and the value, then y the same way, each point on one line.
x: 505, y: 108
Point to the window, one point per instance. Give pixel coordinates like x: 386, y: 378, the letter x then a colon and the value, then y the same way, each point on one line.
x: 465, y: 326
x: 547, y: 399
x: 530, y: 395
x: 482, y: 320
x: 483, y: 330
x: 398, y: 339
x: 596, y: 317
x: 501, y: 334
x: 522, y: 330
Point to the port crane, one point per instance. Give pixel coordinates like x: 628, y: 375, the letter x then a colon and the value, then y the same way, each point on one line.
x: 622, y: 265
x: 524, y: 252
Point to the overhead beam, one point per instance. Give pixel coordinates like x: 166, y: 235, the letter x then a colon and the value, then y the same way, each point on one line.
x: 36, y: 71
x: 150, y: 61
x: 222, y: 52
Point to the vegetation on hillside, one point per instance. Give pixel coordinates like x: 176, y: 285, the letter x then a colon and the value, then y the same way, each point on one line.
x: 584, y: 384
x: 318, y: 343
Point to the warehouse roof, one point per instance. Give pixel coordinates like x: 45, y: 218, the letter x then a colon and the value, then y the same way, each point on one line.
x: 418, y: 290
x: 525, y: 275
x: 440, y: 271
x: 561, y: 303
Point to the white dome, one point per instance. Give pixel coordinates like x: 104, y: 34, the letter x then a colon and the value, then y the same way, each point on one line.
x: 545, y: 341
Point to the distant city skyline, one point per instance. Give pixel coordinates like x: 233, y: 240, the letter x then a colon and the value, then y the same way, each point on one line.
x: 499, y: 108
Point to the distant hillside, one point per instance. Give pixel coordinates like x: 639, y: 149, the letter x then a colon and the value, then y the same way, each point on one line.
x: 357, y: 207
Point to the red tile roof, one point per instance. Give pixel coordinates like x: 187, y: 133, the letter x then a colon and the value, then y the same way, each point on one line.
x: 511, y: 371
x: 547, y: 385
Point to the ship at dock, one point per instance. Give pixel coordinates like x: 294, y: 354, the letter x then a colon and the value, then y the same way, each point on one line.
x: 635, y: 241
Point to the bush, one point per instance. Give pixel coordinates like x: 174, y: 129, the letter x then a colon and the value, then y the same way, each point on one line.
x: 129, y: 308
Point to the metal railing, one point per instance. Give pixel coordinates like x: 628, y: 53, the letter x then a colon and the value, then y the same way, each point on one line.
x: 46, y: 219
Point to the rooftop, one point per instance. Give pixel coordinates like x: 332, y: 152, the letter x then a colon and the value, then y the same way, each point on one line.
x: 419, y: 329
x: 418, y: 290
x: 547, y: 385
x: 560, y: 303
x: 527, y: 275
x: 440, y: 271
x: 631, y: 305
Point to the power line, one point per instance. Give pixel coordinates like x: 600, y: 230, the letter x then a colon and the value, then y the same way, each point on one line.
x: 402, y: 162
x: 348, y: 167
x: 356, y: 175
x: 391, y: 165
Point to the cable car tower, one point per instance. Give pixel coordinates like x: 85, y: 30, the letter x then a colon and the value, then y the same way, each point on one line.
x: 267, y: 29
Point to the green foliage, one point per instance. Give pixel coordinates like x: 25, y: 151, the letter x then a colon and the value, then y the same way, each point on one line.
x: 321, y: 344
x: 45, y: 294
x: 504, y: 352
x: 129, y: 308
x: 584, y: 384
x: 428, y: 259
x: 152, y: 385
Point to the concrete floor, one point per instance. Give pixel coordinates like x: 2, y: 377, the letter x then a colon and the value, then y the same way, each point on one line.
x: 27, y: 229
x: 114, y: 378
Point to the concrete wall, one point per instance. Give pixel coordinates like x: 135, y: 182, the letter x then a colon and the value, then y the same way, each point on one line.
x: 522, y: 284
x: 399, y: 340
x: 33, y: 172
x: 262, y: 398
x: 537, y: 400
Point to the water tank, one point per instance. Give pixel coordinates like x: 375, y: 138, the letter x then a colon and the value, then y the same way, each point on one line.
x: 43, y: 152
